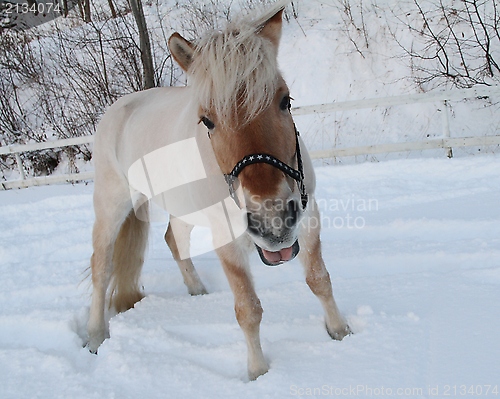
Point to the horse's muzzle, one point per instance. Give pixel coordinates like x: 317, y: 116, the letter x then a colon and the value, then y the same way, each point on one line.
x: 274, y: 232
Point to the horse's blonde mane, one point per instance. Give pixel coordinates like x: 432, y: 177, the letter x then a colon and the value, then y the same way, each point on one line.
x: 234, y: 68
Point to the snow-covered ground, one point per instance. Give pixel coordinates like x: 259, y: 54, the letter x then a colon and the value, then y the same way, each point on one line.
x: 413, y: 247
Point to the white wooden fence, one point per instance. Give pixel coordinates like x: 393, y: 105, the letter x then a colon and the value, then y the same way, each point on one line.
x: 445, y: 141
x: 43, y: 180
x: 441, y: 98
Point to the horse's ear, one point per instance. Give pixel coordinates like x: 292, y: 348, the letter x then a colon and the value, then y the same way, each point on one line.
x: 271, y: 29
x: 182, y: 50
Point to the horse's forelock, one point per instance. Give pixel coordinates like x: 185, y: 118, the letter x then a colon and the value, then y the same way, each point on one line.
x: 235, y: 68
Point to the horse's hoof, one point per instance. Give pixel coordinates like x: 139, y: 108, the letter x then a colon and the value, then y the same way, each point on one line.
x: 94, y: 344
x: 198, y: 291
x: 253, y: 375
x: 86, y: 345
x: 340, y: 334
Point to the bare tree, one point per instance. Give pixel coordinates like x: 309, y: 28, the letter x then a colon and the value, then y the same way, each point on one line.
x: 112, y: 8
x: 145, y: 44
x: 84, y: 8
x: 354, y: 24
x: 451, y: 42
x: 86, y: 11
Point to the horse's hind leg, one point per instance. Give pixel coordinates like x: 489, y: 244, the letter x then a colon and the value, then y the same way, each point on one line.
x: 177, y: 238
x: 318, y: 278
x: 128, y: 258
x: 111, y: 206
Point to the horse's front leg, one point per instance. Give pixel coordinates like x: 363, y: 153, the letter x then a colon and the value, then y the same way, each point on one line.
x: 317, y: 277
x: 177, y: 238
x: 246, y: 304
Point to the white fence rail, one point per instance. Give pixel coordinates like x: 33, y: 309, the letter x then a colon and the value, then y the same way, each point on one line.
x: 437, y: 97
x: 445, y: 142
x: 16, y: 150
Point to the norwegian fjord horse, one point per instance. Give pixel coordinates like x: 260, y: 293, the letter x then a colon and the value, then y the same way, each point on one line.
x: 238, y: 96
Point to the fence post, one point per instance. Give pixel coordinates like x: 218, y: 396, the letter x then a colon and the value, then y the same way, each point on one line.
x: 446, y: 127
x: 20, y: 166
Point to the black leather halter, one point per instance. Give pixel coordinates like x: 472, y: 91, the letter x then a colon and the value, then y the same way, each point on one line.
x: 296, y: 174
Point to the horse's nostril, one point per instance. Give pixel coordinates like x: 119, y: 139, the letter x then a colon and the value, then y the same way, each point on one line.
x: 254, y: 225
x: 291, y: 213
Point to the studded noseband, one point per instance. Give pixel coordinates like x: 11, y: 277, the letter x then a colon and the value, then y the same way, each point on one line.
x: 296, y: 174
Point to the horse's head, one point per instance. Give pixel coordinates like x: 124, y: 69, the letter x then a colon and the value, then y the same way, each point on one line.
x: 244, y: 103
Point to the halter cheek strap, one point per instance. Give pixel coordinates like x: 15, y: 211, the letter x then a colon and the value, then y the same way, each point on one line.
x: 296, y: 174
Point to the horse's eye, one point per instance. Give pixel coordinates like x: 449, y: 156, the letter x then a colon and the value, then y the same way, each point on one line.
x: 285, y: 103
x: 207, y: 122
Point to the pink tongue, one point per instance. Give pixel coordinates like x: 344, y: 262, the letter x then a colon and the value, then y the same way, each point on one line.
x: 274, y: 257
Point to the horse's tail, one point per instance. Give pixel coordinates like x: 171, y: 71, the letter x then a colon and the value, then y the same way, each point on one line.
x: 128, y: 257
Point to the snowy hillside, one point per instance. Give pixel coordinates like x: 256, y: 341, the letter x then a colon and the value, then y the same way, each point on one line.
x: 331, y: 51
x: 416, y: 273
